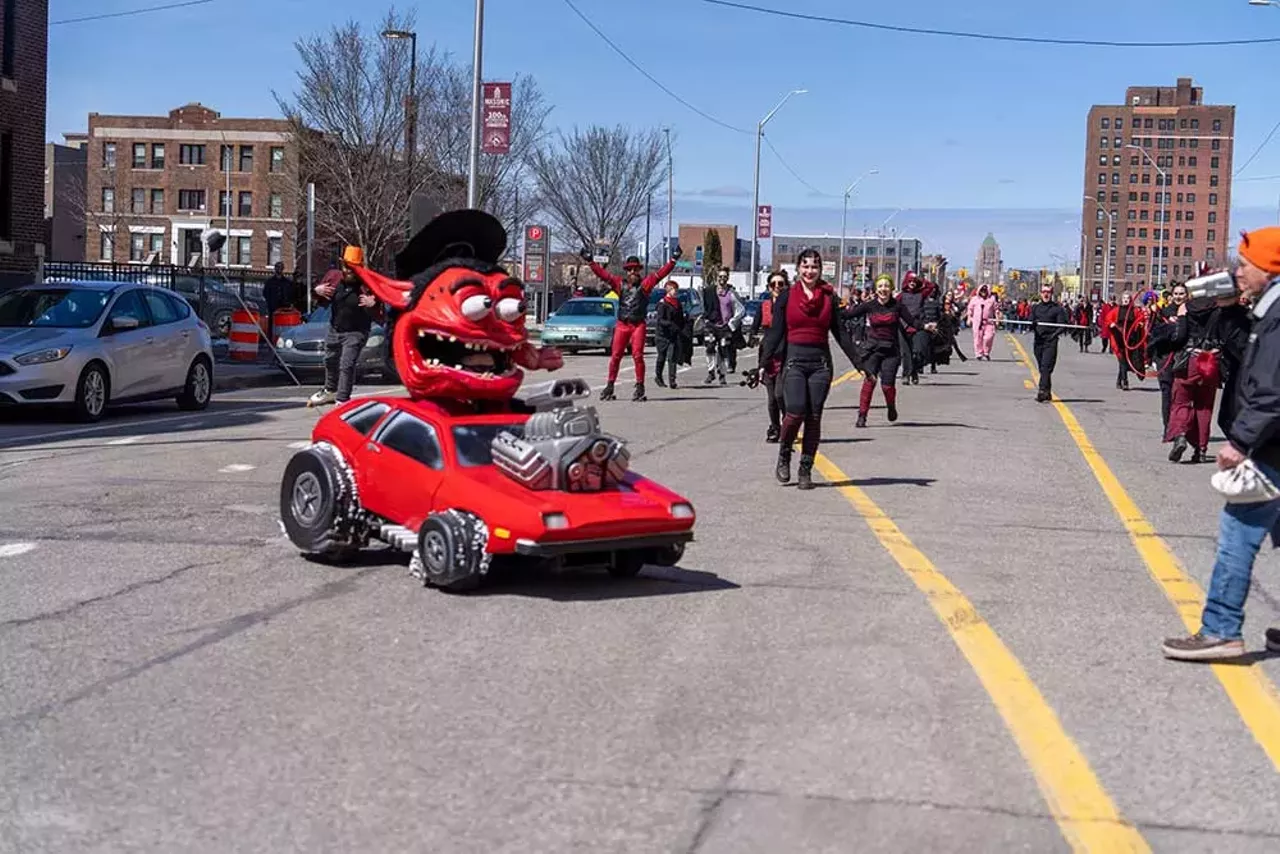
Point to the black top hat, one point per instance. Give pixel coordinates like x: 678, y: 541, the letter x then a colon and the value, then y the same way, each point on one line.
x: 463, y: 234
x: 632, y: 263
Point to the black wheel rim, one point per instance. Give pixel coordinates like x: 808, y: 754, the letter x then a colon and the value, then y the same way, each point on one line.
x: 435, y: 551
x: 307, y: 499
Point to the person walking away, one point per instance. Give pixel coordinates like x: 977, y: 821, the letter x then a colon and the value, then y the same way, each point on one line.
x: 277, y: 293
x: 1254, y: 436
x: 668, y: 335
x: 771, y: 369
x: 1122, y: 326
x: 1045, y: 338
x: 886, y: 318
x: 982, y: 317
x: 352, y: 307
x: 633, y: 309
x: 804, y: 316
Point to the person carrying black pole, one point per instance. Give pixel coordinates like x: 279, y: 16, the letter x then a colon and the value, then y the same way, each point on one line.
x: 1047, y: 311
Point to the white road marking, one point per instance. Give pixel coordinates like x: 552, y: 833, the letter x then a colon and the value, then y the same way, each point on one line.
x: 236, y: 468
x: 125, y: 440
x: 15, y: 549
x: 298, y: 446
x: 251, y: 509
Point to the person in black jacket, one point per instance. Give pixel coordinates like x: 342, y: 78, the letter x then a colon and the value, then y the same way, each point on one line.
x: 805, y: 317
x: 771, y: 370
x: 1045, y: 344
x: 1125, y: 332
x: 1163, y: 349
x: 352, y: 307
x: 912, y: 299
x: 670, y: 331
x: 886, y: 320
x: 1254, y: 436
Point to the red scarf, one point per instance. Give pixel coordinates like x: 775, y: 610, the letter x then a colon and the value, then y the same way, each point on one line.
x: 811, y: 305
x: 672, y: 300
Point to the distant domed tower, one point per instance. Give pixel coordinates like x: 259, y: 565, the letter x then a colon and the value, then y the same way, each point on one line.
x: 989, y: 268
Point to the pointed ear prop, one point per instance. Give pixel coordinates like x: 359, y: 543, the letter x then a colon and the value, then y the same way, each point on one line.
x: 393, y: 292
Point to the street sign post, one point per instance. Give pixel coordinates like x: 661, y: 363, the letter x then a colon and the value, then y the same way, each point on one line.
x: 764, y: 222
x: 496, y: 132
x: 537, y: 246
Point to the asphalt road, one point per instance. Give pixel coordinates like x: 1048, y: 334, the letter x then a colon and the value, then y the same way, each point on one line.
x: 956, y: 648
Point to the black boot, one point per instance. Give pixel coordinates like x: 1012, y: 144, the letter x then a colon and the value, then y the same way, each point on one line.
x: 862, y: 420
x: 783, y: 471
x: 638, y: 394
x: 804, y: 475
x: 772, y: 435
x: 672, y: 382
x: 1179, y: 448
x: 607, y: 393
x: 657, y: 378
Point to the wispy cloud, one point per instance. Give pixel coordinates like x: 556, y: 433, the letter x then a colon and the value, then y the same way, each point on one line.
x: 728, y: 191
x: 1007, y: 181
x: 951, y: 142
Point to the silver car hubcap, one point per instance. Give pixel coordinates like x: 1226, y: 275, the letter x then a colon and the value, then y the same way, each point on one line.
x: 306, y: 498
x: 200, y: 382
x: 436, y: 553
x: 95, y: 392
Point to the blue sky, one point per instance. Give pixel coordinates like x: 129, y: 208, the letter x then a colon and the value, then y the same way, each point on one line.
x: 970, y: 136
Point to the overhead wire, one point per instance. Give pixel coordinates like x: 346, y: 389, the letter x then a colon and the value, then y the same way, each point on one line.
x: 129, y: 12
x: 962, y: 34
x: 1257, y: 150
x: 794, y: 174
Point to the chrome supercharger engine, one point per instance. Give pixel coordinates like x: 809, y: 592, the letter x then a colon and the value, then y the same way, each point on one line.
x: 563, y: 447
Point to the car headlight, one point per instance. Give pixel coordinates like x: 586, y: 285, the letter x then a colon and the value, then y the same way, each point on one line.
x: 555, y: 521
x: 42, y: 357
x: 374, y: 341
x: 682, y: 510
x: 288, y: 344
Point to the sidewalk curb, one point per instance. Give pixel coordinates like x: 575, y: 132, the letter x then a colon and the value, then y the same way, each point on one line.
x: 222, y: 382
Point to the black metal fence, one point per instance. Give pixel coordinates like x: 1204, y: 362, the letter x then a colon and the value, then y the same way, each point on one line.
x: 215, y: 294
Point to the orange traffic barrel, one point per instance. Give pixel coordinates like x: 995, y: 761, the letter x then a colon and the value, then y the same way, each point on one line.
x: 243, y: 344
x: 283, y: 318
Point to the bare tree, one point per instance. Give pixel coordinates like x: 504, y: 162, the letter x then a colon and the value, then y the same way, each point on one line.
x: 596, y: 184
x: 98, y: 212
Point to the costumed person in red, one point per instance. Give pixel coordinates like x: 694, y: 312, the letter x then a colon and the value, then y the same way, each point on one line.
x: 633, y: 308
x: 804, y: 316
x: 1124, y: 324
x: 886, y: 319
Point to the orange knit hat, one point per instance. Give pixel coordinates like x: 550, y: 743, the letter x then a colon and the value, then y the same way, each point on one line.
x: 353, y: 256
x: 1261, y: 248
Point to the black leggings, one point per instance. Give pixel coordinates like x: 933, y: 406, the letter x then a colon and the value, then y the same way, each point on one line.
x: 806, y: 381
x: 773, y: 388
x: 883, y: 363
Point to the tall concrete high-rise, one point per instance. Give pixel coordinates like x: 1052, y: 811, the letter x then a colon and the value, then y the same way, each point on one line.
x: 988, y: 267
x: 1159, y: 167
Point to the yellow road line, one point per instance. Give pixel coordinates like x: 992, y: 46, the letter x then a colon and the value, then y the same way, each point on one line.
x: 845, y: 377
x: 1255, y: 697
x: 1082, y: 808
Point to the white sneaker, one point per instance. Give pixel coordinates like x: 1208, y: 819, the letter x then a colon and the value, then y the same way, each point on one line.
x: 322, y: 398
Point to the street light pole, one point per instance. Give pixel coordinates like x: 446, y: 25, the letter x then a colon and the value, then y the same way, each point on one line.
x: 671, y: 183
x: 1106, y: 267
x: 477, y: 103
x: 844, y: 223
x: 755, y: 206
x: 1164, y: 179
x: 410, y: 111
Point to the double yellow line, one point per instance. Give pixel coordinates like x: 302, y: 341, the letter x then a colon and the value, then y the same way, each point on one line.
x: 1085, y: 813
x: 1253, y: 694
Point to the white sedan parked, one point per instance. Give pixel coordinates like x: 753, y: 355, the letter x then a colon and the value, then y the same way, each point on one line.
x: 92, y: 344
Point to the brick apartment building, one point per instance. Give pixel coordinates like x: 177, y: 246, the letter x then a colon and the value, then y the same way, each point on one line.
x: 23, y: 60
x: 154, y: 184
x: 735, y: 253
x: 1191, y: 143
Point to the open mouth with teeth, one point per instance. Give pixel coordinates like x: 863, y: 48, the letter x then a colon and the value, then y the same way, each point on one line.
x: 483, y: 359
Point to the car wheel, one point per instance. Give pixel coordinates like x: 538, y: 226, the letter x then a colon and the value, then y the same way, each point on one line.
x: 93, y: 392
x: 317, y: 505
x: 451, y: 550
x: 627, y: 564
x: 220, y: 323
x: 199, y: 387
x: 668, y: 555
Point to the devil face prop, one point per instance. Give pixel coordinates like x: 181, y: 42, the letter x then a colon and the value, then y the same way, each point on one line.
x: 461, y: 331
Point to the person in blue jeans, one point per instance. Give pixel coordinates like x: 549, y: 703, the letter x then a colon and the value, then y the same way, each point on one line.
x: 1255, y: 435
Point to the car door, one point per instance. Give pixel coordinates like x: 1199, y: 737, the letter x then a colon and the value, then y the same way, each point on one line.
x: 172, y: 340
x: 127, y: 338
x: 404, y: 465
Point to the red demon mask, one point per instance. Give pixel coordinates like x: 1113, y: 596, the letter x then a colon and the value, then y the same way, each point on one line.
x: 460, y: 332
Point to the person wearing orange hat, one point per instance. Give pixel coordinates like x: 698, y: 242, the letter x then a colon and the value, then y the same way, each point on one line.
x: 1253, y: 439
x: 351, y: 312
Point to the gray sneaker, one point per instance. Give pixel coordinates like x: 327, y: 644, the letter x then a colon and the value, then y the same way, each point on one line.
x: 322, y: 398
x: 1202, y: 647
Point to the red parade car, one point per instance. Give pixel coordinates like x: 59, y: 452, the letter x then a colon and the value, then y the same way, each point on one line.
x: 460, y: 490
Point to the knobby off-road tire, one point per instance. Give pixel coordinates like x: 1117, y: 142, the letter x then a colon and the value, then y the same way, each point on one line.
x: 451, y: 550
x: 318, y: 505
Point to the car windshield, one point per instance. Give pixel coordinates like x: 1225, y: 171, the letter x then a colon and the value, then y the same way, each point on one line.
x: 320, y: 315
x: 474, y: 441
x: 58, y: 308
x: 587, y: 308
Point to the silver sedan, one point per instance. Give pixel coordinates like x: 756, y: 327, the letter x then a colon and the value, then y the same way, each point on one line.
x: 92, y: 344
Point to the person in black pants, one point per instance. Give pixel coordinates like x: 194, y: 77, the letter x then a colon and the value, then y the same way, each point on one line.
x: 1045, y: 345
x: 771, y: 370
x: 1162, y: 351
x: 803, y: 317
x: 670, y: 318
x: 886, y: 319
x: 352, y: 308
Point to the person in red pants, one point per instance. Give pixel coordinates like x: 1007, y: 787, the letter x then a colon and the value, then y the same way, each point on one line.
x: 633, y: 307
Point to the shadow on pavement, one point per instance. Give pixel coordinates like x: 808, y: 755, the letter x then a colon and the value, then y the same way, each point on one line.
x: 1247, y: 660
x: 937, y: 424
x: 593, y: 586
x: 849, y: 441
x: 680, y: 397
x: 878, y: 481
x: 1079, y: 400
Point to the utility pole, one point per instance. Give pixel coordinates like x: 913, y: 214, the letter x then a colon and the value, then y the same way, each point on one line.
x: 477, y: 106
x: 648, y: 222
x: 755, y: 206
x: 671, y: 197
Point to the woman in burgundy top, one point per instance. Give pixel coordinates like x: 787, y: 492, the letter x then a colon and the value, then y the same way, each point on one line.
x: 884, y: 318
x: 803, y: 316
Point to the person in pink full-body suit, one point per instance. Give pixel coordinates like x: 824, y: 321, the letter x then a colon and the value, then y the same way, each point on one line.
x: 982, y: 317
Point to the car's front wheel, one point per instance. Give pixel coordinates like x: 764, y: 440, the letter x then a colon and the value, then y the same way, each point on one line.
x: 317, y: 505
x: 93, y: 391
x: 451, y: 550
x: 199, y: 386
x: 627, y: 564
